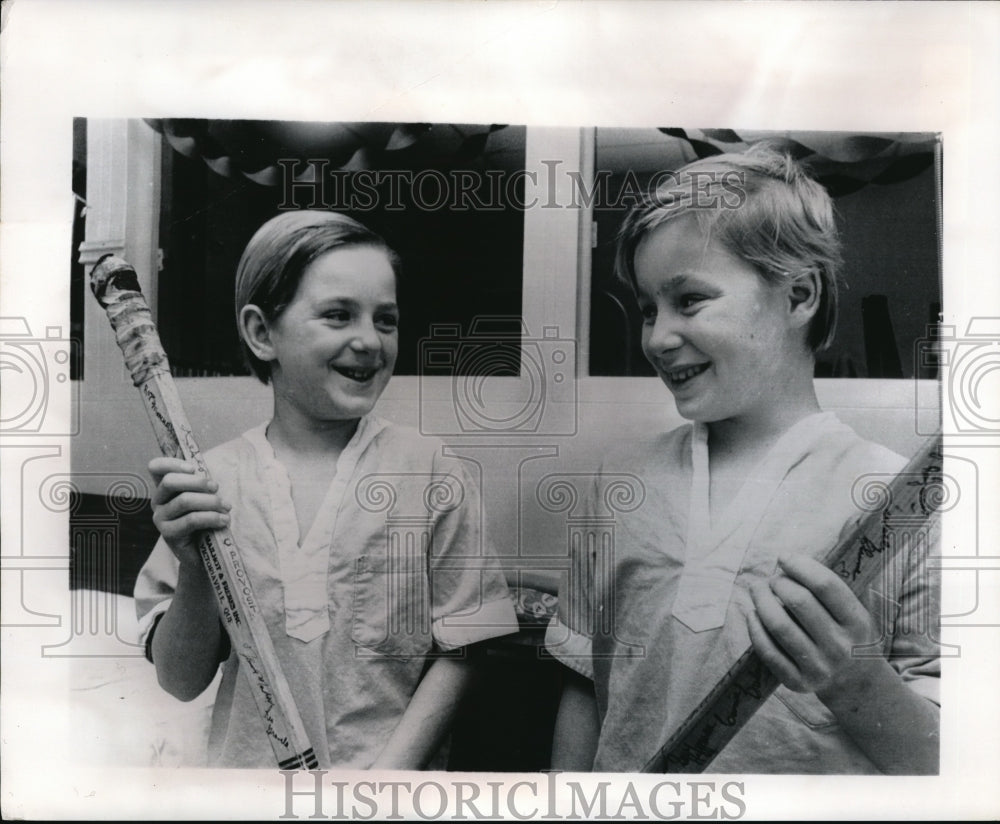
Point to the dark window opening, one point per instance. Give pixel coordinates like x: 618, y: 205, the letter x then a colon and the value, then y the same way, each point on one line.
x: 886, y: 197
x: 448, y: 198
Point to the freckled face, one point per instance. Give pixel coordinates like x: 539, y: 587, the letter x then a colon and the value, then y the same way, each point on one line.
x: 716, y: 332
x: 335, y: 344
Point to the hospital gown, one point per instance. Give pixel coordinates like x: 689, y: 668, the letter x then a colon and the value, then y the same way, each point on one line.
x: 395, y: 567
x: 676, y: 590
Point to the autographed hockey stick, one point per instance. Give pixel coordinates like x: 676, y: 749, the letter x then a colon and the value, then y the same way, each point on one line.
x: 116, y: 287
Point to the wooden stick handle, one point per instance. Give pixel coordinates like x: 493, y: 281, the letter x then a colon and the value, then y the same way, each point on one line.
x: 901, y: 517
x: 116, y: 288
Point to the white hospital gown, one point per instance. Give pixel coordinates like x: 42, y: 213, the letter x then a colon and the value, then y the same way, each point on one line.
x: 396, y: 566
x: 677, y: 592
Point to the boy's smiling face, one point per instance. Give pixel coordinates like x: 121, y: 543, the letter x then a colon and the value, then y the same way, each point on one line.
x: 334, y: 346
x: 719, y: 336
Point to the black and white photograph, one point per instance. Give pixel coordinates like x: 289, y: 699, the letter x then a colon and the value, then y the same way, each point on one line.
x: 499, y: 411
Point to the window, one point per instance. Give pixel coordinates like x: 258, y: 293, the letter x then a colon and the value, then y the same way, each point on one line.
x: 447, y: 197
x: 885, y: 190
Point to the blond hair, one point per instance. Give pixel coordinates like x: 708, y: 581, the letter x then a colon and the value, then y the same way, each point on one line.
x: 762, y: 207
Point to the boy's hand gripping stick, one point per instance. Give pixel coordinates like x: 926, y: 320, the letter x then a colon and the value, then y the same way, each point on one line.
x: 906, y: 520
x: 116, y: 288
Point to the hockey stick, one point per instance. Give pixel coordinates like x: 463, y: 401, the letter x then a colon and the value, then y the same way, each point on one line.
x: 116, y: 287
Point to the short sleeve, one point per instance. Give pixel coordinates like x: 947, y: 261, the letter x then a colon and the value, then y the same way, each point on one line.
x: 906, y: 597
x: 470, y: 601
x: 154, y: 588
x: 568, y: 638
x: 916, y: 648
